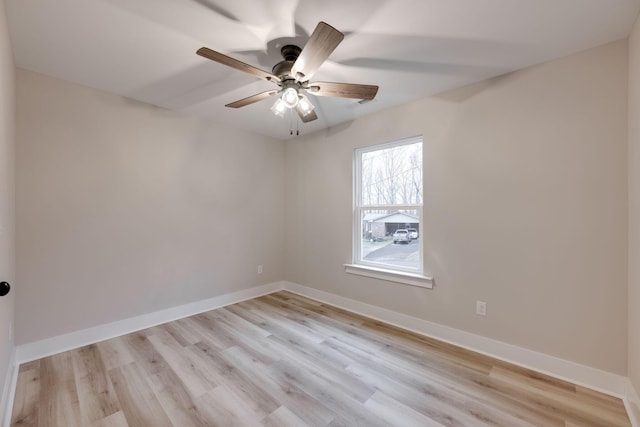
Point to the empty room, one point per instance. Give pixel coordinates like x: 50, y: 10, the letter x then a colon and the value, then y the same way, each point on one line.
x: 319, y: 213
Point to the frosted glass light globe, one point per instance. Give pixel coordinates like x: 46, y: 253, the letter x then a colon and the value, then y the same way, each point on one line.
x: 290, y: 97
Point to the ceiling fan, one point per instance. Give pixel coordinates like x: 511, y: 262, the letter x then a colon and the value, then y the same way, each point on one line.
x: 293, y: 73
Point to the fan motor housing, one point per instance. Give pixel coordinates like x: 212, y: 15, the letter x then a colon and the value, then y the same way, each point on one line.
x: 282, y: 69
x: 290, y: 53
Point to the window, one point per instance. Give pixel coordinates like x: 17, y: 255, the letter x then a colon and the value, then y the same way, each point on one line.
x: 387, y: 221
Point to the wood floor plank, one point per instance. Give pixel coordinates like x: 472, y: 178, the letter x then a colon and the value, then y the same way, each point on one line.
x: 115, y: 353
x: 394, y: 412
x: 25, y: 406
x: 95, y: 392
x: 310, y: 410
x: 244, y: 337
x: 96, y: 397
x: 177, y: 361
x: 240, y: 324
x: 56, y: 369
x: 436, y: 403
x: 178, y: 402
x: 256, y: 399
x: 283, y: 417
x: 424, y: 391
x: 216, y: 332
x: 348, y: 411
x: 58, y: 397
x: 145, y: 355
x: 59, y: 405
x: 561, y: 402
x: 114, y: 420
x: 181, y: 333
x: 279, y: 320
x: 139, y: 403
x: 286, y: 360
x: 225, y: 409
x: 203, y: 333
x: 602, y: 401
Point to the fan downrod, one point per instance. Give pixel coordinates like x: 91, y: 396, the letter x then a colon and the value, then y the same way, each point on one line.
x: 290, y: 52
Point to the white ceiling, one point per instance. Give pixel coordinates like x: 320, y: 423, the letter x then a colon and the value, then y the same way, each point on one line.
x: 145, y: 49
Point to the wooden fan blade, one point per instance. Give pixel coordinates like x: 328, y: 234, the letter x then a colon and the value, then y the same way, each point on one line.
x: 252, y: 99
x: 343, y: 90
x: 322, y: 42
x: 205, y: 52
x: 311, y: 116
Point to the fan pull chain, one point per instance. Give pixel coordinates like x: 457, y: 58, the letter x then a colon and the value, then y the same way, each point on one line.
x: 291, y: 122
x: 294, y: 116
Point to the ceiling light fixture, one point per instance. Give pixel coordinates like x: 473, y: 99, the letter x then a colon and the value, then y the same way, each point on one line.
x: 292, y: 76
x: 291, y: 98
x: 305, y: 106
x: 279, y: 108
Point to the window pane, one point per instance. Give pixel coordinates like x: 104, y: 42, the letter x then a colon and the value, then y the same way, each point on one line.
x: 388, y: 205
x: 392, y: 176
x: 390, y: 238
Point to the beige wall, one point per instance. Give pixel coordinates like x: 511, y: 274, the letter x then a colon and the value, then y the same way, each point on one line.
x: 124, y: 209
x: 526, y: 207
x: 634, y: 206
x: 7, y: 113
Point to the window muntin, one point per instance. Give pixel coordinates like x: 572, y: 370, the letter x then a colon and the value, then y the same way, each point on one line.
x: 388, y: 197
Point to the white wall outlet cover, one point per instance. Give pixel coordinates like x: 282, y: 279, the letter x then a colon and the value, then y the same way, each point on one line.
x: 481, y: 308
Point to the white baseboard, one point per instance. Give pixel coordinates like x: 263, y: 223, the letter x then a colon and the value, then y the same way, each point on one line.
x: 47, y: 347
x: 8, y: 391
x: 606, y: 382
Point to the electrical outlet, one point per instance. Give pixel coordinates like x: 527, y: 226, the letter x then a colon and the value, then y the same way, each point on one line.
x: 481, y: 308
x: 259, y: 269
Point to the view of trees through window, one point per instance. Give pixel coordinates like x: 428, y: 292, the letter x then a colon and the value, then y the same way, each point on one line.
x: 392, y: 176
x: 389, y: 205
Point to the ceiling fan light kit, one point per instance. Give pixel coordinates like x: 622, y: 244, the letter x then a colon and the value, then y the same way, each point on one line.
x: 293, y: 73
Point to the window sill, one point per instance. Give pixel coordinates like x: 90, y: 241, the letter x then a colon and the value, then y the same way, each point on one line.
x: 391, y: 275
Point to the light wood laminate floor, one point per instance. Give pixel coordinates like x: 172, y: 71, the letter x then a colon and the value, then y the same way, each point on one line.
x: 285, y: 360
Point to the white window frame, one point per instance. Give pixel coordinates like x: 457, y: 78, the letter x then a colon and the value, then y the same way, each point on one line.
x: 405, y: 275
